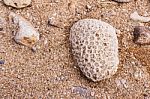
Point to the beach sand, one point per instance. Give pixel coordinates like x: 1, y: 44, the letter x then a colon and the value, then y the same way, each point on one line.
x: 51, y: 73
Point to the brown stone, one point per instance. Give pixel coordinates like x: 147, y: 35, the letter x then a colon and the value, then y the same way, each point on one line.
x: 142, y: 35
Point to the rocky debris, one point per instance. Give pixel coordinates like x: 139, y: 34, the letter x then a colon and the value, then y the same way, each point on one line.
x: 136, y: 17
x: 95, y: 48
x: 26, y: 34
x: 123, y: 1
x: 17, y: 3
x: 141, y: 35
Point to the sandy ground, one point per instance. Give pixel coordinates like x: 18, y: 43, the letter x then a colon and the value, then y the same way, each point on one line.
x: 50, y: 73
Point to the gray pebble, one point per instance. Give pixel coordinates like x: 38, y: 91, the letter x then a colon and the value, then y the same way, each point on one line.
x: 82, y: 91
x: 2, y: 61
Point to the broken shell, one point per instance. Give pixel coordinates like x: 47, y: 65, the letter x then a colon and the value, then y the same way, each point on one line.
x: 17, y: 3
x: 136, y: 17
x: 142, y: 35
x: 26, y: 33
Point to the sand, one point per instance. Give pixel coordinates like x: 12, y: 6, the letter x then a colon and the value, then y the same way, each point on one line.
x: 50, y: 72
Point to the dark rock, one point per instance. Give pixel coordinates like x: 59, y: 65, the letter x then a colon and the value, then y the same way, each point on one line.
x: 142, y: 35
x: 2, y: 61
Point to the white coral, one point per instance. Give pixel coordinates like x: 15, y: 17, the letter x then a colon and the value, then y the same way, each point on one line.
x: 95, y: 47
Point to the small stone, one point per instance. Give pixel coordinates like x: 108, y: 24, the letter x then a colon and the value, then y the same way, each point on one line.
x: 92, y: 94
x: 51, y: 21
x: 26, y: 34
x: 118, y: 32
x: 17, y: 3
x: 142, y: 35
x: 45, y: 41
x: 2, y: 24
x: 123, y: 1
x: 136, y: 17
x: 88, y: 7
x: 54, y: 22
x: 2, y: 61
x: 95, y: 48
x: 82, y: 91
x: 35, y: 48
x: 121, y: 82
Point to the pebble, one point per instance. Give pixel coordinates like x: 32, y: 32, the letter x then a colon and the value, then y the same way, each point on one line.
x: 26, y: 34
x: 17, y: 3
x: 54, y: 22
x: 82, y: 91
x: 88, y: 7
x: 2, y: 24
x: 35, y: 48
x: 95, y: 48
x: 2, y: 61
x: 92, y: 93
x: 123, y: 1
x: 136, y: 17
x: 142, y: 35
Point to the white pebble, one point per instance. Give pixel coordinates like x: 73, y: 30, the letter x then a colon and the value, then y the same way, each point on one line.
x: 26, y: 34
